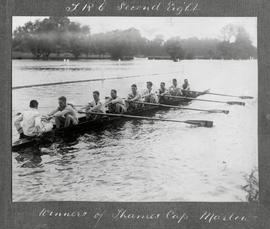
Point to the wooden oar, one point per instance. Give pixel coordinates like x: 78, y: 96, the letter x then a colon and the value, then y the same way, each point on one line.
x: 179, y: 107
x: 208, y: 100
x: 235, y: 96
x: 201, y: 123
x: 89, y: 80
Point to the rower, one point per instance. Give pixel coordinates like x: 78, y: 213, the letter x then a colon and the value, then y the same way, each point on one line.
x: 29, y: 123
x: 162, y: 91
x: 185, y: 88
x: 115, y: 104
x: 65, y: 115
x: 94, y: 106
x: 133, y: 97
x: 149, y: 95
x: 174, y: 89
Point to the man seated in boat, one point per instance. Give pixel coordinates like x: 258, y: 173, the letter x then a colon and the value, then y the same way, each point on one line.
x: 134, y: 97
x: 29, y: 123
x: 94, y: 107
x: 174, y: 89
x: 115, y: 104
x: 162, y: 91
x: 186, y: 88
x: 65, y: 115
x: 149, y: 94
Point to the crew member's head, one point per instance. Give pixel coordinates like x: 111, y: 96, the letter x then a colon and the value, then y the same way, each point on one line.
x: 162, y: 85
x: 113, y: 94
x: 96, y: 95
x: 134, y: 88
x: 33, y: 104
x: 174, y: 81
x: 62, y: 101
x: 185, y: 81
x: 149, y: 84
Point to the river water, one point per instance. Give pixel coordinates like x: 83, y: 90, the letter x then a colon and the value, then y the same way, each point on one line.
x: 140, y: 160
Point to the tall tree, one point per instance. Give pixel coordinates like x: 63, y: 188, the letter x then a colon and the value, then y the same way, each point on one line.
x: 174, y: 48
x: 53, y: 34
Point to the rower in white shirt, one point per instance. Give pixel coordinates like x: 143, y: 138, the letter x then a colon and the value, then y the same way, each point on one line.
x: 134, y: 98
x: 115, y: 104
x: 186, y: 88
x: 29, y: 123
x: 95, y: 106
x: 149, y: 95
x: 65, y: 115
x: 174, y: 89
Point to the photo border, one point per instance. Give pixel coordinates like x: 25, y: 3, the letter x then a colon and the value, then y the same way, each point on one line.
x: 26, y: 214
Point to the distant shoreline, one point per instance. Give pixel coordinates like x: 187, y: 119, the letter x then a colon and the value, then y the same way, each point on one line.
x: 67, y: 56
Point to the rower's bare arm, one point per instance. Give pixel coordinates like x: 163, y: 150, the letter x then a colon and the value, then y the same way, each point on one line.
x: 107, y: 102
x: 165, y: 93
x: 64, y: 112
x: 134, y: 99
x: 87, y: 107
x: 53, y: 112
x: 19, y: 118
x: 137, y: 97
x: 97, y: 107
x: 117, y: 100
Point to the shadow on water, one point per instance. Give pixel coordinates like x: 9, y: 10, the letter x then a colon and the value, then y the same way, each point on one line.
x: 29, y: 158
x: 60, y: 146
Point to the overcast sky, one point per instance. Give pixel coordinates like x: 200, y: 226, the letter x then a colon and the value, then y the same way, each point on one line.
x: 150, y: 27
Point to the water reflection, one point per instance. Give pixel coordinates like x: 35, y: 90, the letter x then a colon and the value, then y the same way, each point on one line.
x: 30, y: 159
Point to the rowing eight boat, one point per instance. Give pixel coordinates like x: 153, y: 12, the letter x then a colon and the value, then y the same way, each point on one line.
x: 86, y: 124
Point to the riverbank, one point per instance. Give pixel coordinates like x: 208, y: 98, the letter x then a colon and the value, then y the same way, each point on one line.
x: 54, y: 56
x: 62, y: 56
x: 68, y: 56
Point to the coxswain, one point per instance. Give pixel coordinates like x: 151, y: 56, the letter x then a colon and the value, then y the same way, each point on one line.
x: 115, y: 104
x: 162, y: 91
x: 134, y: 97
x: 95, y: 106
x: 174, y: 89
x: 29, y: 123
x: 186, y: 88
x: 65, y: 115
x: 149, y: 94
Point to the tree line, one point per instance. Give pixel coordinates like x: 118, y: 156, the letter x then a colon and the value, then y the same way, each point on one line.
x: 58, y: 35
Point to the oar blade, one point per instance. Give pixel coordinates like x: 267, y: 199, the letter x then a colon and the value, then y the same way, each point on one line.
x: 219, y: 111
x: 201, y: 123
x: 236, y: 103
x: 246, y: 97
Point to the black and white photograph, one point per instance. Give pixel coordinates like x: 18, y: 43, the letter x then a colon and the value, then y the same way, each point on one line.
x: 134, y: 109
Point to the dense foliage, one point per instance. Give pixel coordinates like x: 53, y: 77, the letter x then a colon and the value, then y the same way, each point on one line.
x: 60, y: 35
